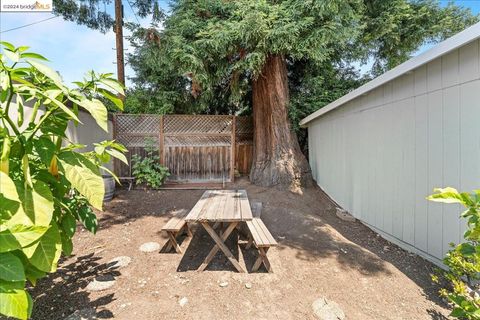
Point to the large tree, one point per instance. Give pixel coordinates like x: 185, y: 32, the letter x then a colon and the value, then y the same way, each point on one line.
x: 224, y: 52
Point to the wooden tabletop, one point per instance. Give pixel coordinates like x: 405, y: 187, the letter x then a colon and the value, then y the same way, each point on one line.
x: 221, y: 206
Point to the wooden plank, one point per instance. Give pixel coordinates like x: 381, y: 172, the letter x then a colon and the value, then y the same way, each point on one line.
x: 261, y: 235
x: 232, y: 150
x: 254, y: 232
x: 161, y: 138
x: 245, y: 206
x: 176, y: 222
x: 212, y: 208
x: 263, y: 239
x: 195, y: 212
x: 270, y: 240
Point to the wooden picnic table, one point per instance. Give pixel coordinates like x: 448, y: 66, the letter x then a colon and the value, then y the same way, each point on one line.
x: 221, y: 206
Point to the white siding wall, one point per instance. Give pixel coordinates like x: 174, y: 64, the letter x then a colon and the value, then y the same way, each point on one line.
x: 381, y: 154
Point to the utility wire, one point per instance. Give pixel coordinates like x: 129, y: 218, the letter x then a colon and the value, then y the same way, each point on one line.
x: 131, y: 7
x: 30, y: 24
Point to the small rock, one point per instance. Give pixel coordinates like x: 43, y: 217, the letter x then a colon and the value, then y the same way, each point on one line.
x: 248, y: 285
x: 344, y: 215
x: 386, y: 248
x: 123, y: 305
x: 327, y: 310
x: 84, y: 314
x: 223, y: 284
x: 101, y: 283
x: 150, y: 247
x: 119, y: 262
x: 182, y: 302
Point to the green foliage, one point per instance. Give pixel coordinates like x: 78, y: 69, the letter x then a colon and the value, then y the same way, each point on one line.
x: 206, y: 54
x: 463, y: 260
x: 394, y: 29
x: 97, y: 14
x: 148, y: 169
x: 45, y: 183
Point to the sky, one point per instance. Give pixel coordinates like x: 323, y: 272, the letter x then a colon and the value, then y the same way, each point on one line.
x: 74, y: 49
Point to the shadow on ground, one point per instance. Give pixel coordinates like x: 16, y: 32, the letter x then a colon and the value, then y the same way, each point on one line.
x: 54, y: 294
x: 302, y: 222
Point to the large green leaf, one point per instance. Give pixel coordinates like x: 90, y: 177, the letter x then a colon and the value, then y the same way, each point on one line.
x: 11, y: 267
x: 36, y: 206
x: 15, y: 302
x: 117, y: 154
x: 112, y: 84
x: 97, y: 109
x: 86, y: 215
x: 84, y: 176
x: 47, y: 71
x: 33, y: 274
x: 44, y: 253
x: 18, y: 236
x: 9, y: 199
x: 45, y: 149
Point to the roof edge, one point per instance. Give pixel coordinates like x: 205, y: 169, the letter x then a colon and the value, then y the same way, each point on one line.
x: 460, y: 39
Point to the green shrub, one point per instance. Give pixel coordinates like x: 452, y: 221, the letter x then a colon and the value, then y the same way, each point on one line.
x: 148, y: 169
x: 46, y: 185
x: 463, y: 260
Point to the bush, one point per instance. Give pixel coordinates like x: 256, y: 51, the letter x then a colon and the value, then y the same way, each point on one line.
x: 46, y: 185
x: 148, y: 169
x: 463, y: 260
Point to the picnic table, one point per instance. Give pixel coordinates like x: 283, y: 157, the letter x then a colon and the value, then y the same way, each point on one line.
x: 229, y: 207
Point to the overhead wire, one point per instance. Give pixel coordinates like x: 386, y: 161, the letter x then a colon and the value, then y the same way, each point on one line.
x: 28, y: 25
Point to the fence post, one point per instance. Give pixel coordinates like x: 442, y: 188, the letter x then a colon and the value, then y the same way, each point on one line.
x: 233, y: 147
x: 114, y: 133
x: 161, y: 142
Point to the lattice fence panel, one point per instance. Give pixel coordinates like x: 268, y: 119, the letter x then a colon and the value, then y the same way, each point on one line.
x: 197, y: 124
x: 195, y: 148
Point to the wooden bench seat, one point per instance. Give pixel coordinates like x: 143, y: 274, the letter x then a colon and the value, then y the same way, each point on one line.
x: 174, y: 227
x: 263, y: 240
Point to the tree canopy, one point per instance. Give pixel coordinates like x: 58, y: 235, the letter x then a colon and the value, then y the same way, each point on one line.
x: 98, y: 14
x: 204, y: 55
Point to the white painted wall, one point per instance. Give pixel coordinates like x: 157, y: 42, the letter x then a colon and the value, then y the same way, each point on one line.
x: 381, y: 154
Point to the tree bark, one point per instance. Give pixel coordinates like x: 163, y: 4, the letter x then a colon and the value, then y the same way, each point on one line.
x: 277, y: 158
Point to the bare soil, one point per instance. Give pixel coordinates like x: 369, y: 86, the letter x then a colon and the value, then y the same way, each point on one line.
x: 319, y: 255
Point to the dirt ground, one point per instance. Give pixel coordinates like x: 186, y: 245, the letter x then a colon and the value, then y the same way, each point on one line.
x: 318, y: 256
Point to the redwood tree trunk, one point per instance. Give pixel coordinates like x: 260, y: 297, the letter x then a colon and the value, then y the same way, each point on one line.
x: 277, y: 159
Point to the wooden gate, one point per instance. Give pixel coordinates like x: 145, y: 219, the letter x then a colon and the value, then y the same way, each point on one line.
x: 195, y: 148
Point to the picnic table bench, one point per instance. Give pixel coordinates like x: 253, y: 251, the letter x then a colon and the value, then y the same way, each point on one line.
x: 263, y: 240
x: 173, y: 228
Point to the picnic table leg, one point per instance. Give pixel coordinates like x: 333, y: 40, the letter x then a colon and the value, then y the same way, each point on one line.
x: 262, y: 258
x: 220, y: 245
x: 173, y: 242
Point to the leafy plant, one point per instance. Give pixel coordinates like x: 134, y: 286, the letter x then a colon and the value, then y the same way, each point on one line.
x: 148, y: 169
x: 463, y: 260
x: 46, y: 184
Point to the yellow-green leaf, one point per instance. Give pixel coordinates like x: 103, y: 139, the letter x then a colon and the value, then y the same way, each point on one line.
x: 44, y: 253
x: 84, y: 176
x: 11, y: 267
x: 47, y: 71
x: 98, y: 111
x: 15, y: 303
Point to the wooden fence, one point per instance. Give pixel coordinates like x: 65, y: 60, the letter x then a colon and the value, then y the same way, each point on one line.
x: 195, y: 148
